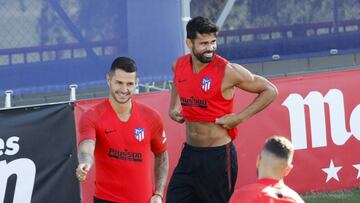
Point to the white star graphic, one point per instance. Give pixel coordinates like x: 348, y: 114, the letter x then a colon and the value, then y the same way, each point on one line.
x: 332, y: 171
x: 357, y: 166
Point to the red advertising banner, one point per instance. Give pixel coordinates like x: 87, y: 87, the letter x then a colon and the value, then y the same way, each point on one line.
x: 319, y: 113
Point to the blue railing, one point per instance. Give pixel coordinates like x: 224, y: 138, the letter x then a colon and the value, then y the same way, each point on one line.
x: 260, y: 44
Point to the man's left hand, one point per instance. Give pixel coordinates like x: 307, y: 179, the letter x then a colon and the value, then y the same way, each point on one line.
x: 156, y: 199
x: 228, y: 121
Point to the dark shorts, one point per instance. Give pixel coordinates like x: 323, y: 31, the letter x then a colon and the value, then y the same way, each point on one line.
x: 204, y: 175
x: 97, y: 200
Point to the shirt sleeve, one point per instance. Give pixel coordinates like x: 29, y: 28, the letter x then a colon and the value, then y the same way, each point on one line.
x: 87, y: 127
x: 158, y: 139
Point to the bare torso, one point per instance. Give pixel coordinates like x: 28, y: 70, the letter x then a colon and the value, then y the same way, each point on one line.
x: 209, y: 134
x: 205, y: 134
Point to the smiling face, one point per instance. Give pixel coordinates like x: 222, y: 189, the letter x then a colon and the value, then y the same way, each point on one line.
x: 203, y: 47
x: 121, y: 85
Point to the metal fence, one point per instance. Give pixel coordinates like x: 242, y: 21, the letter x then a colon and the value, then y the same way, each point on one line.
x: 46, y: 45
x: 257, y: 30
x: 42, y: 30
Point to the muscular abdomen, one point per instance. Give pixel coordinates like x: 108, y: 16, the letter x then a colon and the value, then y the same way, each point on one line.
x: 206, y: 134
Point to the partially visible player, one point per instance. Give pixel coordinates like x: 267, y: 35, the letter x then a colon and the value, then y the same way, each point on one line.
x: 273, y: 164
x: 122, y: 135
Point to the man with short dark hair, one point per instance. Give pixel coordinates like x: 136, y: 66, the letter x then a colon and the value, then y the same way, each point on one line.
x: 273, y: 164
x: 202, y: 97
x: 122, y: 134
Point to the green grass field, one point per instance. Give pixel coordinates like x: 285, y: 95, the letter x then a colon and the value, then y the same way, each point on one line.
x: 351, y: 196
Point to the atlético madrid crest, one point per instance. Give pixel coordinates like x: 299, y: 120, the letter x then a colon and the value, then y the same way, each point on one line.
x: 139, y: 134
x: 206, y: 84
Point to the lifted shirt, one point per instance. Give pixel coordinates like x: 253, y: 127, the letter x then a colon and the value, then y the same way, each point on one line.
x: 200, y: 93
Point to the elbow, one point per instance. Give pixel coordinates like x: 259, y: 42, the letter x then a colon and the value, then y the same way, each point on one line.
x: 273, y: 91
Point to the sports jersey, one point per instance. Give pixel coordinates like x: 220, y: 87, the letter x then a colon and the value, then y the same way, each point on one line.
x: 266, y: 191
x: 123, y: 151
x: 200, y: 93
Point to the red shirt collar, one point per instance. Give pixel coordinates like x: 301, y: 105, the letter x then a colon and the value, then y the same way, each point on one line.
x: 268, y: 181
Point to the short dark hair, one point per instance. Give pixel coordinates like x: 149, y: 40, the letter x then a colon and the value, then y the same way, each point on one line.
x: 124, y: 63
x: 280, y: 146
x: 201, y: 25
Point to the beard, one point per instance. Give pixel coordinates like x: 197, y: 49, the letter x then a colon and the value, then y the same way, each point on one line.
x: 202, y: 58
x: 121, y: 100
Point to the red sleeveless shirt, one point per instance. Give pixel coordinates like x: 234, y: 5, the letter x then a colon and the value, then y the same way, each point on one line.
x: 200, y: 93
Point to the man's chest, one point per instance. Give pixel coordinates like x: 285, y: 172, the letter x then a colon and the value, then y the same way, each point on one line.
x: 134, y: 133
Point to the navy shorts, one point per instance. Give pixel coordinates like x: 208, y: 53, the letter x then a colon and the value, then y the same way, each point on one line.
x: 204, y: 175
x: 97, y: 200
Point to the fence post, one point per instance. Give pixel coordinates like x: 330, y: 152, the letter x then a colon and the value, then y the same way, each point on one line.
x: 8, y: 95
x: 185, y: 17
x: 73, y: 88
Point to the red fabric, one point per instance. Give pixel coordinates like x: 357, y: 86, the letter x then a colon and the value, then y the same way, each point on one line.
x: 202, y: 102
x: 123, y: 163
x: 266, y: 191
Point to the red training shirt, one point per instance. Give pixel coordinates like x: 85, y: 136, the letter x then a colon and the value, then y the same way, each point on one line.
x: 200, y: 93
x: 266, y: 191
x: 123, y: 152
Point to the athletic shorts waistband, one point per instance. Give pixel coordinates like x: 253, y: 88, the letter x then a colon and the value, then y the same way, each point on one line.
x: 203, y: 149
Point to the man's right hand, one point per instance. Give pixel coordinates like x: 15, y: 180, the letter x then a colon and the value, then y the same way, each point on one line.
x: 82, y: 171
x: 86, y: 158
x: 176, y: 116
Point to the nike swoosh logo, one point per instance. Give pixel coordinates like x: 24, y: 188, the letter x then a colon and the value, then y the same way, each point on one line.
x: 109, y: 131
x: 181, y: 81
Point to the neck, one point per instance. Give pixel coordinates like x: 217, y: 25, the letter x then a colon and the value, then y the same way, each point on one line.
x: 266, y: 170
x: 197, y: 65
x: 119, y: 108
x: 270, y: 177
x: 278, y: 183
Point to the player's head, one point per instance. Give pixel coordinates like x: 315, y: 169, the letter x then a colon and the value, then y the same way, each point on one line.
x: 200, y: 25
x: 201, y: 38
x: 123, y: 63
x: 275, y: 158
x: 122, y: 79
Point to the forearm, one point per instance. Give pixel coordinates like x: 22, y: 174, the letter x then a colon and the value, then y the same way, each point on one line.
x: 259, y: 103
x: 174, y: 99
x: 161, y: 172
x: 86, y: 151
x: 85, y: 157
x: 175, y: 107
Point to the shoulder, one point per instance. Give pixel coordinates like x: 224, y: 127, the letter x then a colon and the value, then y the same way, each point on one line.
x: 236, y: 73
x: 252, y: 187
x: 147, y: 111
x: 96, y: 110
x: 288, y: 192
x: 93, y: 116
x: 248, y: 191
x: 184, y: 57
x: 219, y: 60
x: 238, y: 70
x: 181, y: 61
x: 280, y: 193
x: 149, y: 116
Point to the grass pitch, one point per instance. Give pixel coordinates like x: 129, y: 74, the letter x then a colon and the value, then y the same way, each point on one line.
x: 348, y: 196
